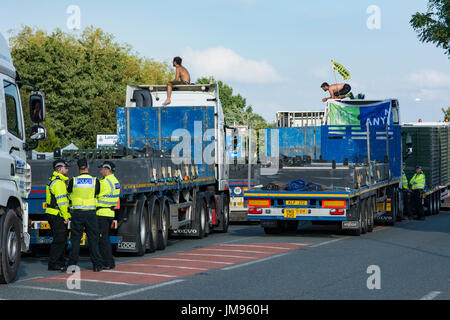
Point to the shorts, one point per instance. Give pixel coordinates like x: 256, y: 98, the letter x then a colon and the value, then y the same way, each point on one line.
x: 346, y: 89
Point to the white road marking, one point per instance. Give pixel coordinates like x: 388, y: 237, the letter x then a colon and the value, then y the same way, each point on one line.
x: 141, y: 273
x: 232, y: 250
x: 194, y: 260
x: 216, y: 255
x: 327, y: 242
x: 29, y: 279
x: 127, y: 293
x: 239, y: 239
x: 58, y: 290
x: 167, y: 266
x: 108, y: 282
x: 431, y: 295
x: 255, y: 261
x: 256, y: 246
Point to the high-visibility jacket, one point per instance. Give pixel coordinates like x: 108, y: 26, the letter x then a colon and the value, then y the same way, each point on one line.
x: 57, y: 202
x: 418, y: 181
x: 108, y: 197
x: 404, y: 180
x: 83, y: 193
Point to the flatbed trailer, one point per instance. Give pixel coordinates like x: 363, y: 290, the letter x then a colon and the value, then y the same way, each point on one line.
x: 163, y: 193
x: 358, y: 169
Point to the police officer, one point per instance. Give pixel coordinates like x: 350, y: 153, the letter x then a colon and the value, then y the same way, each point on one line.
x: 83, y: 189
x: 57, y: 205
x: 107, y: 200
x: 405, y: 194
x: 417, y: 184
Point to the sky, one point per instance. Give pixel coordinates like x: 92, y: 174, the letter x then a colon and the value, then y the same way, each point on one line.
x: 274, y: 53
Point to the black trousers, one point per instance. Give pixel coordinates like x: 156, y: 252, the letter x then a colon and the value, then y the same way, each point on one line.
x: 58, y: 246
x: 104, y: 225
x: 416, y: 199
x: 84, y: 220
x: 407, y: 211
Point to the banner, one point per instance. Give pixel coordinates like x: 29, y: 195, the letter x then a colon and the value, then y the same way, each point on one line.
x: 374, y: 114
x: 339, y: 68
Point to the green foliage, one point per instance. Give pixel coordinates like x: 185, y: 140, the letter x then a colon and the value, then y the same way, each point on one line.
x: 235, y: 107
x: 84, y: 78
x: 52, y: 141
x: 434, y: 25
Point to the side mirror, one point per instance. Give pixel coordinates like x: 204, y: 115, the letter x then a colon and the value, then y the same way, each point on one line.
x: 37, y: 107
x: 38, y: 132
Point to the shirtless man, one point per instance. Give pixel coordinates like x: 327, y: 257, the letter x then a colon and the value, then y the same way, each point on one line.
x: 337, y: 91
x: 181, y: 77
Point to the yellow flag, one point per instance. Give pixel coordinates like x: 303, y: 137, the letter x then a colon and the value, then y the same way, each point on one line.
x: 341, y: 70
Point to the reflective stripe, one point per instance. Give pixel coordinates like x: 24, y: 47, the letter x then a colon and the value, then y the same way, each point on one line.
x: 111, y: 196
x: 84, y: 207
x: 63, y: 203
x: 109, y: 203
x: 62, y: 196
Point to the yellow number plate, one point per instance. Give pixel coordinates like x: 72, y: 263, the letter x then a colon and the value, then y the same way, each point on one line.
x: 44, y: 226
x: 239, y: 204
x: 296, y: 203
x: 380, y: 206
x: 388, y: 207
x: 292, y: 213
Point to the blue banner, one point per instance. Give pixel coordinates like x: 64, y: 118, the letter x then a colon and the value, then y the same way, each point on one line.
x: 376, y: 115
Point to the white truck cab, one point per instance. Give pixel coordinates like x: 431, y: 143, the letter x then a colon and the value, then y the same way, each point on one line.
x: 15, y: 173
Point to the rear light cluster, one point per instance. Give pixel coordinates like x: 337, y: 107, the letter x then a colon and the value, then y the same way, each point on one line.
x: 254, y: 210
x: 337, y: 212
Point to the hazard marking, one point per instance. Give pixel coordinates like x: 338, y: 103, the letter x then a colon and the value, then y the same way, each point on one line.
x: 178, y: 265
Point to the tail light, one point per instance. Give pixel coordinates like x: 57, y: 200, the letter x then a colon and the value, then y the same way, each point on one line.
x: 337, y: 212
x: 388, y: 200
x: 265, y: 203
x: 334, y: 204
x: 254, y: 210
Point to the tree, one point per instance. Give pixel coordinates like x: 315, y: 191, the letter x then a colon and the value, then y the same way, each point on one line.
x: 235, y: 109
x: 434, y: 25
x: 84, y: 79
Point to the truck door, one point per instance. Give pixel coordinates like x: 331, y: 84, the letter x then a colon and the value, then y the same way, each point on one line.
x: 11, y: 130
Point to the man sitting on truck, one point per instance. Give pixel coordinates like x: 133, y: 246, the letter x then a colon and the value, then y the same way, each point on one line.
x: 337, y: 91
x: 181, y: 77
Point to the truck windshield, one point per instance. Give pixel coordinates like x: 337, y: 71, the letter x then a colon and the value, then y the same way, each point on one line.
x: 13, y: 112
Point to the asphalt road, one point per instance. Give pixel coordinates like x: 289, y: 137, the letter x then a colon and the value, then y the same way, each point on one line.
x: 411, y: 261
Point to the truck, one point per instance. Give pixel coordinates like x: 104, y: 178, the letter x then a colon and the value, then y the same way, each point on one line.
x: 15, y: 173
x: 345, y: 172
x: 171, y: 162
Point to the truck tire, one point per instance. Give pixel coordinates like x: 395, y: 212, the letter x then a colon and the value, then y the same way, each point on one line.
x: 152, y: 224
x: 11, y: 247
x: 438, y: 202
x: 163, y: 230
x: 370, y: 218
x: 291, y: 226
x: 142, y: 229
x: 358, y: 210
x: 429, y: 205
x: 224, y: 215
x: 201, y: 218
x: 365, y: 214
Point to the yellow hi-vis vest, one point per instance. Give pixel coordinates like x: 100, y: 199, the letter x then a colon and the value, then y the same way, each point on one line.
x: 404, y: 180
x: 108, y: 197
x: 83, y: 193
x: 418, y: 181
x: 56, y: 200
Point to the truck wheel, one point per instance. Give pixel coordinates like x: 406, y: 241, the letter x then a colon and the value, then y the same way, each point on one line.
x: 224, y: 216
x: 152, y: 226
x: 11, y: 247
x: 438, y: 202
x: 430, y: 205
x: 142, y: 228
x: 276, y: 230
x: 163, y: 234
x: 365, y: 214
x: 370, y: 218
x: 292, y: 226
x: 358, y: 210
x: 200, y: 219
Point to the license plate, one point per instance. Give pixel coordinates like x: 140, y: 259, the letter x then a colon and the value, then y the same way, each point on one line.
x: 296, y: 203
x: 380, y: 206
x: 388, y: 207
x: 239, y: 204
x: 292, y: 213
x: 44, y: 226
